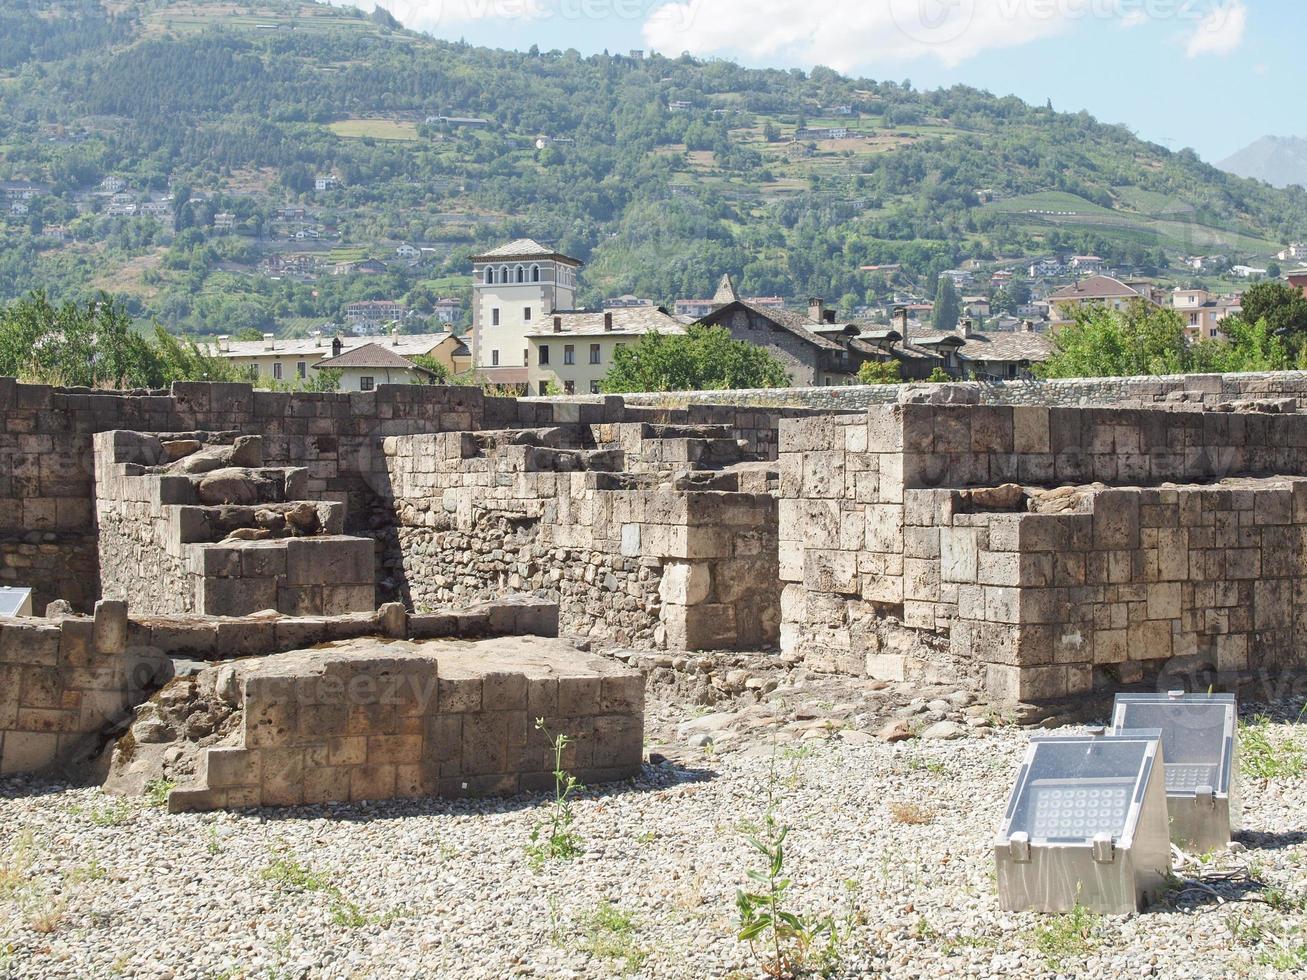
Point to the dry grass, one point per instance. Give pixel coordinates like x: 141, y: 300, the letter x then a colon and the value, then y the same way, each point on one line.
x: 911, y: 813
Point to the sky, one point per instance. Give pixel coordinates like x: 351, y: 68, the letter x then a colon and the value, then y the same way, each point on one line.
x: 1214, y: 75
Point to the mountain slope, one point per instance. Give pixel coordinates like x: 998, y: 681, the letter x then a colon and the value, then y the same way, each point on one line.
x: 660, y: 173
x: 1278, y: 160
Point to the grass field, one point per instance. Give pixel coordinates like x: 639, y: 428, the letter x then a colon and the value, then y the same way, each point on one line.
x: 377, y: 129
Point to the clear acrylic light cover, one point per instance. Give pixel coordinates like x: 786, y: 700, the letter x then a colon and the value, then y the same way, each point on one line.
x: 1198, y: 732
x: 15, y: 602
x: 1074, y: 788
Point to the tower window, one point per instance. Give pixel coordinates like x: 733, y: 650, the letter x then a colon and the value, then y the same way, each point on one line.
x: 526, y: 313
x: 494, y: 317
x: 535, y: 273
x: 494, y: 358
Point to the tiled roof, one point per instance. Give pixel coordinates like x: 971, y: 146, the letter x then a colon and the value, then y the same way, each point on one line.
x: 404, y: 344
x: 996, y: 345
x: 522, y: 248
x: 627, y: 321
x: 1096, y: 287
x: 798, y: 324
x: 370, y: 356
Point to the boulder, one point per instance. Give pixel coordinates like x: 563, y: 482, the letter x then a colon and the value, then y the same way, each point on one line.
x: 895, y: 731
x: 175, y: 449
x: 232, y: 485
x: 246, y: 451
x: 249, y: 534
x: 944, y: 731
x: 303, y: 519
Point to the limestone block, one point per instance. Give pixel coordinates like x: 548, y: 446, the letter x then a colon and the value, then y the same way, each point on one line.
x: 884, y: 527
x: 236, y: 596
x: 830, y: 571
x: 959, y: 554
x: 337, y: 560
x: 685, y: 583
x: 823, y: 474
x: 1030, y: 430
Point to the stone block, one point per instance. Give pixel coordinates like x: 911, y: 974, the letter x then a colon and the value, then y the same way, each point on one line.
x: 685, y: 583
x: 329, y: 560
x: 109, y: 627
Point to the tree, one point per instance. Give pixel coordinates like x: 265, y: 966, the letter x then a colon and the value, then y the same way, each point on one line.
x: 948, y: 306
x: 1105, y: 343
x: 701, y: 359
x: 879, y: 373
x: 1283, y: 307
x: 1247, y: 347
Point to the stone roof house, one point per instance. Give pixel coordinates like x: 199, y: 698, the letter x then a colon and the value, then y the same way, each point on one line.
x: 363, y: 368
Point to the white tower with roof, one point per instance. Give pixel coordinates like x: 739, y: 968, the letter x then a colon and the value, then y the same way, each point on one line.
x: 515, y: 288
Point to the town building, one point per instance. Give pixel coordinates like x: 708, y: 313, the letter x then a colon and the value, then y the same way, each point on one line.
x: 626, y: 299
x: 990, y: 355
x: 290, y: 358
x: 363, y: 368
x: 515, y: 288
x: 572, y: 351
x: 1093, y: 291
x: 407, y: 251
x: 1203, y: 311
x: 224, y: 221
x: 447, y: 310
x: 372, y: 314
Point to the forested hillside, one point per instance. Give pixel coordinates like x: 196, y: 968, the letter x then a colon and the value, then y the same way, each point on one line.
x: 660, y: 173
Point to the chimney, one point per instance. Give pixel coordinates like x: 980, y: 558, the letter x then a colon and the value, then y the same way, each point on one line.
x: 816, y: 309
x: 558, y: 324
x: 336, y: 346
x: 829, y: 315
x: 224, y: 343
x: 901, y: 317
x: 269, y: 341
x: 964, y: 327
x: 608, y: 321
x: 317, y: 338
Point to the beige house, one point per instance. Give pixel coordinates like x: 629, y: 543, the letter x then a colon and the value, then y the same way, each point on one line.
x: 289, y: 358
x: 573, y: 351
x: 1203, y: 311
x: 1093, y: 291
x: 363, y: 368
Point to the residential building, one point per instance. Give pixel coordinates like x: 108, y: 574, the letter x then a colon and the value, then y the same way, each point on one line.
x: 1298, y: 280
x: 364, y: 368
x: 372, y: 314
x: 21, y: 190
x: 990, y: 355
x: 447, y: 310
x: 1088, y: 264
x: 1247, y: 272
x: 961, y: 277
x: 1093, y: 290
x: 407, y: 251
x: 113, y: 185
x: 325, y: 182
x: 515, y: 288
x: 1203, y: 311
x: 625, y: 300
x: 796, y: 340
x: 696, y: 308
x: 976, y: 305
x: 290, y: 358
x: 573, y: 350
x: 1295, y: 252
x: 224, y: 221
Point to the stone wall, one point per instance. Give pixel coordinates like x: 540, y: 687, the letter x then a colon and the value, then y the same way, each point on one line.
x: 877, y: 531
x: 629, y: 557
x: 64, y: 681
x: 364, y: 721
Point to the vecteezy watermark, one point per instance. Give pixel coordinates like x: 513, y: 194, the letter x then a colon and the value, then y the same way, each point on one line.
x: 939, y: 22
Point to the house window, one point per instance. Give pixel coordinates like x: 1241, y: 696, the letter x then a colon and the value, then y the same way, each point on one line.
x: 301, y: 369
x: 494, y: 317
x: 489, y: 276
x: 276, y: 371
x: 544, y: 353
x: 526, y: 313
x: 542, y: 387
x: 526, y: 358
x: 569, y: 387
x: 367, y: 383
x: 521, y: 274
x: 594, y: 353
x: 494, y: 358
x: 594, y: 387
x: 569, y: 354
x: 535, y: 273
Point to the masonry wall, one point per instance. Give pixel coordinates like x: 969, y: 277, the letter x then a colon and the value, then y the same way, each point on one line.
x: 64, y: 682
x: 871, y: 534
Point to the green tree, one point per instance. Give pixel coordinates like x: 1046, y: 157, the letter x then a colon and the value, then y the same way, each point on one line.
x: 1105, y: 343
x: 701, y: 359
x: 440, y: 372
x: 1283, y: 307
x: 948, y: 306
x: 879, y: 373
x: 1246, y: 347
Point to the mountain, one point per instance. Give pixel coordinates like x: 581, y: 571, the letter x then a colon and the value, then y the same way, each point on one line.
x: 660, y: 173
x: 1278, y: 160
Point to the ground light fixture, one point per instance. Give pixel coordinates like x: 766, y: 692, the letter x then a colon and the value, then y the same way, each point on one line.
x: 1086, y: 825
x: 15, y: 601
x: 1200, y: 748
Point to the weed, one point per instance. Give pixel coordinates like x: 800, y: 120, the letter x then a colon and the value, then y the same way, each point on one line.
x: 13, y: 872
x: 47, y: 917
x: 1067, y: 936
x: 289, y: 875
x: 781, y: 940
x: 110, y: 812
x: 610, y: 935
x: 932, y: 766
x: 157, y: 790
x: 347, y: 915
x: 552, y: 838
x: 213, y: 843
x: 1261, y: 757
x: 94, y: 871
x: 911, y: 813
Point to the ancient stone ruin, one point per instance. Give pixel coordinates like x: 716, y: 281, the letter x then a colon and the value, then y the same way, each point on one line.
x: 228, y: 559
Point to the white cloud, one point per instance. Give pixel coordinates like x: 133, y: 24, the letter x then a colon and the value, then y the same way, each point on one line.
x: 845, y: 34
x: 1220, y: 32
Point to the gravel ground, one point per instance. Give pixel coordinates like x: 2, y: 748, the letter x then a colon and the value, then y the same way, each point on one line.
x: 93, y: 886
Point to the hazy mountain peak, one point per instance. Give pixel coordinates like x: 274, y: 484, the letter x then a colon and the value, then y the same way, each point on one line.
x: 1278, y: 160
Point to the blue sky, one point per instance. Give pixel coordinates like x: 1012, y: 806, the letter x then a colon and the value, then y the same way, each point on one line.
x: 1210, y: 74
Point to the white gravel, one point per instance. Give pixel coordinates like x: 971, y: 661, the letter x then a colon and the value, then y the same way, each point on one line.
x: 92, y: 887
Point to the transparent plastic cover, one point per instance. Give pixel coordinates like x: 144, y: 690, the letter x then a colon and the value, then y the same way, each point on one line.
x: 1197, y: 736
x: 1076, y: 788
x: 12, y: 600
